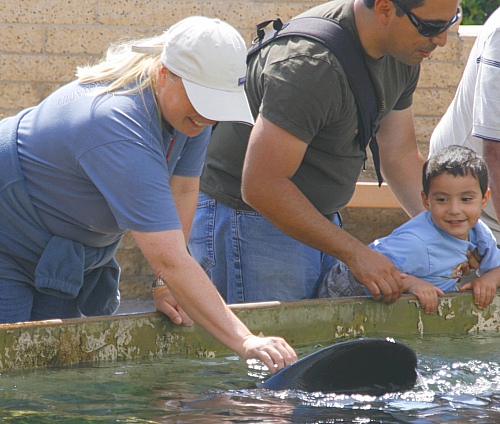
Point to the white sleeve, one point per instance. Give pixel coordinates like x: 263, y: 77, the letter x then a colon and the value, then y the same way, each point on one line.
x: 486, y: 114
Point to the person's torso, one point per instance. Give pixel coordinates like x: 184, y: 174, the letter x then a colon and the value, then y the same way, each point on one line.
x: 299, y: 85
x: 95, y: 165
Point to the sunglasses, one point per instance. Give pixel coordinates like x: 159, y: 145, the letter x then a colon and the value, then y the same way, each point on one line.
x: 425, y: 28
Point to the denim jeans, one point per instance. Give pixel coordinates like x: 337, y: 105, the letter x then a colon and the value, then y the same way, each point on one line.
x: 249, y: 259
x: 21, y: 302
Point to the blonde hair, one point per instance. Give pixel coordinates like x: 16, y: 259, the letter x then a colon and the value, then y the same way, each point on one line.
x: 121, y: 67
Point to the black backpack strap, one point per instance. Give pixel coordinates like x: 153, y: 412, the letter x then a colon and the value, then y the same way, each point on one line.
x: 332, y: 35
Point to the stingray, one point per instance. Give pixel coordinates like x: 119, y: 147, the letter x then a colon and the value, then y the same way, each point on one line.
x: 367, y: 366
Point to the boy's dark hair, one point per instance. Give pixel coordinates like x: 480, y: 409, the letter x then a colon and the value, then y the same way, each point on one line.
x: 410, y: 4
x: 455, y: 160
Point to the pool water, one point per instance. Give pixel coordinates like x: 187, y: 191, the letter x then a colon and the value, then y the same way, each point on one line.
x: 459, y: 381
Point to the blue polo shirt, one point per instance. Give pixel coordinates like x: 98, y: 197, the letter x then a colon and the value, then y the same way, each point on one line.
x: 96, y: 166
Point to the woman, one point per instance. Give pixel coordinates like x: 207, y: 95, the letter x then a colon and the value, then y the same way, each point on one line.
x: 121, y: 148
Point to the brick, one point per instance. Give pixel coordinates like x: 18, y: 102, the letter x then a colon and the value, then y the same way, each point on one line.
x: 21, y: 39
x: 423, y: 149
x: 245, y: 15
x: 127, y: 242
x: 450, y: 52
x: 135, y: 287
x: 16, y: 96
x: 432, y: 102
x: 154, y: 13
x: 440, y: 74
x: 466, y: 44
x: 424, y: 127
x: 133, y: 263
x: 47, y: 12
x: 81, y: 41
x: 381, y: 222
x: 39, y: 68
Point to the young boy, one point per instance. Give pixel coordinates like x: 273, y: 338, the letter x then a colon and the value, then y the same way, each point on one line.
x: 432, y: 246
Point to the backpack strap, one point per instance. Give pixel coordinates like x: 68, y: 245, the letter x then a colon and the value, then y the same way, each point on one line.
x: 330, y: 33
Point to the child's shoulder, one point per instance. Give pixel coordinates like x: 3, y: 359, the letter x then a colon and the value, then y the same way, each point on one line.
x: 418, y: 231
x: 481, y: 231
x: 420, y: 226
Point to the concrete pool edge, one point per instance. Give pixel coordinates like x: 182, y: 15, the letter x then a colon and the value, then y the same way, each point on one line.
x: 67, y: 342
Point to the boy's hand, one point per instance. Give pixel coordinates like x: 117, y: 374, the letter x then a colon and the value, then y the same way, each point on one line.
x: 426, y: 292
x: 484, y: 290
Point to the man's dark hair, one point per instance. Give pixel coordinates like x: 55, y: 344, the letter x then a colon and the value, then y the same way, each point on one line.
x: 410, y: 4
x: 455, y: 160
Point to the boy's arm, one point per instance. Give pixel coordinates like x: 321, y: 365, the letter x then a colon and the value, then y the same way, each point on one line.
x: 485, y: 287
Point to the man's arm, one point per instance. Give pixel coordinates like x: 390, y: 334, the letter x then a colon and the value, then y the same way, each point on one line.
x: 401, y: 162
x: 273, y: 156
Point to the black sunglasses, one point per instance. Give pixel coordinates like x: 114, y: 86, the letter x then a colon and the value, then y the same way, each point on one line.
x: 425, y: 28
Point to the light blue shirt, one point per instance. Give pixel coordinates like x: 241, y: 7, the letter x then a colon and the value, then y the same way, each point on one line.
x: 422, y: 249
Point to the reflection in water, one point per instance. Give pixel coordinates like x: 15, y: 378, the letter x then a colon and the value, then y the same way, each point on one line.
x: 459, y: 381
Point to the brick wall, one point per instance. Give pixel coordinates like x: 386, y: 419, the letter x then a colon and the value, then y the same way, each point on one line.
x: 44, y: 41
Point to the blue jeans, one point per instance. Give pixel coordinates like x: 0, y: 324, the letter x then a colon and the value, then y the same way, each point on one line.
x: 20, y: 301
x: 250, y: 260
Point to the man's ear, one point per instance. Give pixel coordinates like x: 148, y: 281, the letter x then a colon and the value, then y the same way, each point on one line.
x: 425, y: 201
x: 384, y: 10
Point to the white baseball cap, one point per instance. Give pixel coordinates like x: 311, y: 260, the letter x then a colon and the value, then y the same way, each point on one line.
x: 210, y: 57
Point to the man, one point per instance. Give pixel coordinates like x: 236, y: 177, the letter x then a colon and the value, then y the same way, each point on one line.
x: 473, y: 117
x: 267, y: 224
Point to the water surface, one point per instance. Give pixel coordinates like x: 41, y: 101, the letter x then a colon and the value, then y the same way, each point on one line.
x: 459, y: 381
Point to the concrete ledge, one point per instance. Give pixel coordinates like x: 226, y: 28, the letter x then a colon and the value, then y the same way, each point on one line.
x: 370, y: 195
x: 58, y: 343
x: 469, y: 30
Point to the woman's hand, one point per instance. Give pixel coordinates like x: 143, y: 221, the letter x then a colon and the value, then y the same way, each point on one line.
x: 274, y: 352
x: 188, y: 285
x: 166, y: 303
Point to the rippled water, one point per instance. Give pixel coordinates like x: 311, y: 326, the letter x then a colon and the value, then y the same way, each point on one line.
x: 459, y: 381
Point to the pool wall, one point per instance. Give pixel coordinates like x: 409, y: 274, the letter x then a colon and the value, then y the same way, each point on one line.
x: 66, y: 342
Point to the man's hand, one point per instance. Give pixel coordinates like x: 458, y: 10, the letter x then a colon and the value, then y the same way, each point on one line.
x: 377, y: 273
x: 166, y: 303
x: 274, y: 352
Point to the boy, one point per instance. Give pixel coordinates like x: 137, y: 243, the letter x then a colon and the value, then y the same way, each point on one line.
x: 433, y: 245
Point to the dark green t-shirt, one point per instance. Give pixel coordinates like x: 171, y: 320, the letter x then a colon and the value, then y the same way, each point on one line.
x: 299, y: 85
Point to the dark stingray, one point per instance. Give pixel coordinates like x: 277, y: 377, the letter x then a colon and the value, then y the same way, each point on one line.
x: 361, y: 366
